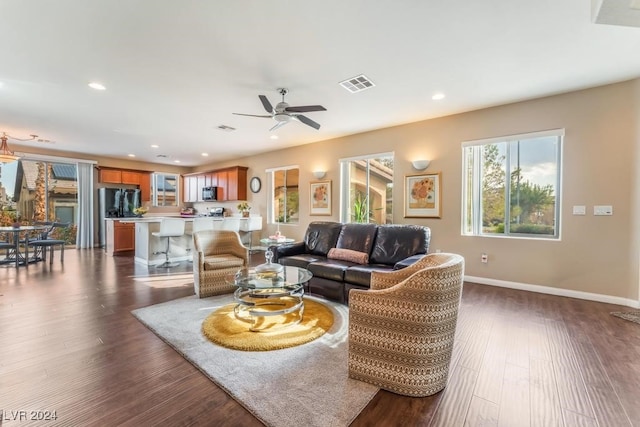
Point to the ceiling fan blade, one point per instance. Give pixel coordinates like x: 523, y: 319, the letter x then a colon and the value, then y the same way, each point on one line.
x: 278, y: 125
x: 305, y: 109
x: 252, y: 115
x: 266, y: 104
x: 307, y: 121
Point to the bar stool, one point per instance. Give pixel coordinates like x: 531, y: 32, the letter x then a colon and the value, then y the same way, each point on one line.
x: 169, y: 227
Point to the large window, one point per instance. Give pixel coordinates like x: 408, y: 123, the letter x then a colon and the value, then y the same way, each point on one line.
x: 367, y: 189
x: 511, y: 186
x: 33, y: 190
x: 285, y: 200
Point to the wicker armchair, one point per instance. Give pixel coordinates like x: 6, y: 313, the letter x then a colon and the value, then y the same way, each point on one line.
x: 401, y: 331
x: 217, y: 253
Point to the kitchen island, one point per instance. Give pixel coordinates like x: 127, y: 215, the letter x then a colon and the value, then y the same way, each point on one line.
x: 147, y: 245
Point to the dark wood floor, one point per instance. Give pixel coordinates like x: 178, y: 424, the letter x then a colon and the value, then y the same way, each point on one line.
x: 69, y: 344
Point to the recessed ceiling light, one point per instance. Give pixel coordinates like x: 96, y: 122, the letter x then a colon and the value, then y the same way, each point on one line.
x: 97, y: 86
x: 205, y: 154
x: 176, y: 161
x: 154, y: 146
x: 273, y: 137
x: 438, y: 96
x: 131, y: 155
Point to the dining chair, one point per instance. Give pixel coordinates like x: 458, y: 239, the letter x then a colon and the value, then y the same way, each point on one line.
x: 45, y: 241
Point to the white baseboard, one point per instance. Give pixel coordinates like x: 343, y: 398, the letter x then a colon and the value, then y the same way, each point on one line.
x: 554, y: 291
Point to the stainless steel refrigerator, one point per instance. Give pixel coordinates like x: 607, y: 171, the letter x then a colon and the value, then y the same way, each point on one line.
x: 116, y: 203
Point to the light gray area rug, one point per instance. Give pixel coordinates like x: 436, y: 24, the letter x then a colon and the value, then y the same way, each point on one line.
x: 305, y: 385
x: 632, y: 316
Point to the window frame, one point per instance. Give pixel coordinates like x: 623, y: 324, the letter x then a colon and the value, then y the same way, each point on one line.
x: 271, y: 213
x: 155, y: 176
x: 471, y: 217
x: 345, y: 182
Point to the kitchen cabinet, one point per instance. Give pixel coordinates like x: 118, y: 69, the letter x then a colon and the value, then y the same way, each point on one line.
x: 231, y: 183
x: 120, y: 237
x: 237, y: 184
x: 130, y: 177
x: 222, y: 185
x: 145, y: 186
x: 111, y: 176
x: 200, y: 184
x: 190, y: 188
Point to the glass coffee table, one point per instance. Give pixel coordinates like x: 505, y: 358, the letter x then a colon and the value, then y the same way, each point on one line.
x: 261, y: 294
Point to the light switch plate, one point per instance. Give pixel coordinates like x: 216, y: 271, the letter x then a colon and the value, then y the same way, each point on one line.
x: 603, y: 210
x: 579, y: 210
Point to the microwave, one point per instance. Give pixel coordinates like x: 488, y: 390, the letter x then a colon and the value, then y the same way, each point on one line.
x: 210, y: 193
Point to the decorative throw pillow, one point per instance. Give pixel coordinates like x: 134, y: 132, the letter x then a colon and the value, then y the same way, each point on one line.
x: 348, y: 255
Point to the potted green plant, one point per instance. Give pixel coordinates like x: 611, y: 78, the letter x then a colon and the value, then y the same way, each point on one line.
x: 244, y: 209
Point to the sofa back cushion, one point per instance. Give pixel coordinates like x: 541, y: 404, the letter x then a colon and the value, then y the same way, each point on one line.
x: 321, y: 236
x: 396, y: 242
x: 357, y: 237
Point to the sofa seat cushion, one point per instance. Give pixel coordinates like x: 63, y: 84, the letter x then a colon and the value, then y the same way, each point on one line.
x: 361, y: 274
x: 300, y: 261
x: 326, y: 288
x: 330, y: 269
x: 217, y: 262
x: 348, y: 255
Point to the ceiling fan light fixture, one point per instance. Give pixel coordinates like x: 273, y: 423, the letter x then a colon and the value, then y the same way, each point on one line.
x: 281, y: 117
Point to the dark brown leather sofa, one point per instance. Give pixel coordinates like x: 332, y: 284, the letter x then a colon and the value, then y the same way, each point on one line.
x: 342, y: 256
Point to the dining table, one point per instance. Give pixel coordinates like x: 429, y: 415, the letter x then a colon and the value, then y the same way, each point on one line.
x: 18, y: 257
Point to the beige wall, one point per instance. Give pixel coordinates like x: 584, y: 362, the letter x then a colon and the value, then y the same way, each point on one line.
x: 596, y: 255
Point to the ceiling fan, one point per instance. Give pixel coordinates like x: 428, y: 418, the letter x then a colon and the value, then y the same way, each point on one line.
x: 283, y: 113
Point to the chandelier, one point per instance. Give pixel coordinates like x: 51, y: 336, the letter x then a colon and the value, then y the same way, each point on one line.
x: 6, y: 155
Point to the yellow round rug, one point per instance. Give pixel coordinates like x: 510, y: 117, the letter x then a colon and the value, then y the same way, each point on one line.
x: 223, y: 328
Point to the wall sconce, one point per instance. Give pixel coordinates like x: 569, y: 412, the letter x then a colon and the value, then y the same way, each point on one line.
x: 420, y: 164
x: 319, y: 174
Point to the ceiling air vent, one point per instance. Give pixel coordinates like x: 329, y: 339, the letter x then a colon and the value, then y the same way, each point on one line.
x: 162, y: 156
x: 357, y: 84
x: 225, y: 128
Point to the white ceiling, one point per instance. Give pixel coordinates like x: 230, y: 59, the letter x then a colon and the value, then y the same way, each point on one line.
x: 175, y: 70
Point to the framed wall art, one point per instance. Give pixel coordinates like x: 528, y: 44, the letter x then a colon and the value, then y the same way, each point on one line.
x: 423, y: 195
x: 320, y: 198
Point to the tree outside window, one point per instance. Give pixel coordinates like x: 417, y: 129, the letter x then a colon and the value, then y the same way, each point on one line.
x: 512, y: 186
